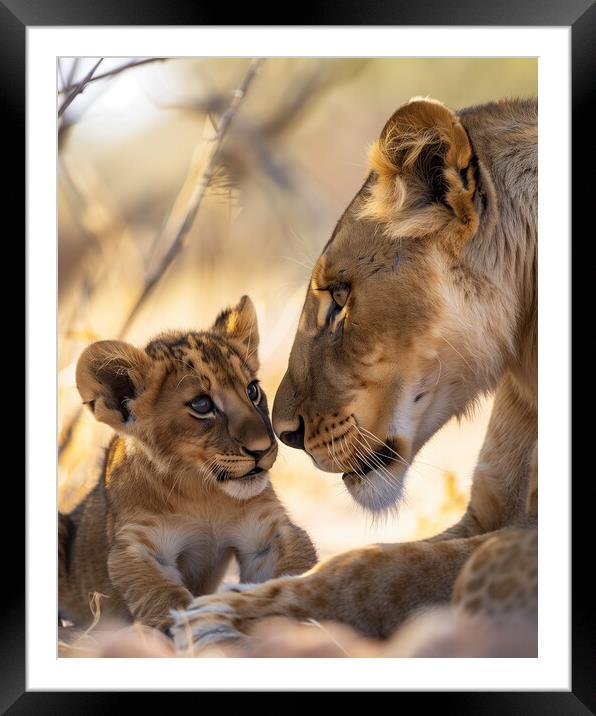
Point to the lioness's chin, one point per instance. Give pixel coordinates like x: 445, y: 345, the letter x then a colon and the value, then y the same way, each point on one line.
x: 245, y: 488
x: 376, y: 491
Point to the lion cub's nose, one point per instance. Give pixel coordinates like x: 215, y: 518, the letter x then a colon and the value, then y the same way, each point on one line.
x: 257, y: 454
x: 294, y: 438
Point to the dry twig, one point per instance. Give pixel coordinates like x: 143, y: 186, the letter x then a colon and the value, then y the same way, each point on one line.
x: 115, y: 71
x: 73, y: 70
x: 78, y: 88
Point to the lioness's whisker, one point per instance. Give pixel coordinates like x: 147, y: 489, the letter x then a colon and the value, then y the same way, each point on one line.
x: 458, y: 353
x: 379, y: 468
x: 370, y: 435
x: 381, y: 442
x: 376, y: 463
x: 364, y: 476
x: 440, y: 371
x: 417, y: 461
x: 337, y: 462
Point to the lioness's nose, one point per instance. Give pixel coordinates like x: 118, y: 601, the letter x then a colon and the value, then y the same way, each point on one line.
x: 287, y: 423
x: 294, y: 438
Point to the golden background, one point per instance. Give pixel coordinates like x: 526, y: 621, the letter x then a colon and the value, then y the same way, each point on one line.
x: 132, y: 149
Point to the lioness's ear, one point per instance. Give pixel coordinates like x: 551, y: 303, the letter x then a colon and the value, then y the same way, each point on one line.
x: 426, y: 173
x: 109, y: 375
x: 240, y: 324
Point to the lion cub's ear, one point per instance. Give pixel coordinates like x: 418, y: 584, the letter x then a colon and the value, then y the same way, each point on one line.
x: 426, y: 173
x: 109, y: 375
x: 240, y: 325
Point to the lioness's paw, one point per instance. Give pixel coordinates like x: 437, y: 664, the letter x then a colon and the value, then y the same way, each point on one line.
x: 200, y: 635
x: 240, y: 587
x: 208, y: 620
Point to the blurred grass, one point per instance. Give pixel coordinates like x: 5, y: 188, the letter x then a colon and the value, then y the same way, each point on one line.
x: 293, y: 161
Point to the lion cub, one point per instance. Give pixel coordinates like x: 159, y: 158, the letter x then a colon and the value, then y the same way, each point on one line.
x: 185, y: 483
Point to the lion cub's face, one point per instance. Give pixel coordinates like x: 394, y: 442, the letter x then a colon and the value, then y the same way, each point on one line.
x: 398, y: 326
x: 191, y: 399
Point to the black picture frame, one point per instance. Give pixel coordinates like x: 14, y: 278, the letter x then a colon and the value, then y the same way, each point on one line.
x: 580, y: 16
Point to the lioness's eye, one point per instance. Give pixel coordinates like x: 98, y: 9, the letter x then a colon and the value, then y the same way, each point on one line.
x: 254, y: 392
x: 201, y: 405
x: 340, y: 295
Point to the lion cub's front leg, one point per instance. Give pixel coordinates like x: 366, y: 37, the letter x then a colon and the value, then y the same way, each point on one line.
x: 284, y: 549
x: 149, y: 588
x: 372, y: 589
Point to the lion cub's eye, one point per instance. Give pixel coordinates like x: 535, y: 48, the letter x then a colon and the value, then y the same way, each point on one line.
x: 340, y: 294
x: 254, y: 392
x: 202, y: 405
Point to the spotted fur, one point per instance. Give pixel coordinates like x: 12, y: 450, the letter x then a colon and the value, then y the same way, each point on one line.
x: 500, y: 580
x: 174, y: 503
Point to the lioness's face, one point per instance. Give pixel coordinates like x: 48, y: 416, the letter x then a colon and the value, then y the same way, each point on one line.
x: 374, y: 370
x: 365, y: 367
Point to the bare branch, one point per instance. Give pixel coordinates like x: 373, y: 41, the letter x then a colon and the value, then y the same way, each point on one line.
x: 79, y: 88
x: 66, y: 434
x: 73, y: 70
x: 116, y: 71
x: 197, y: 196
x: 61, y: 74
x: 302, y: 94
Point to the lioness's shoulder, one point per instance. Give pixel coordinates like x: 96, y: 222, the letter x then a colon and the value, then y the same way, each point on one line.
x: 504, y: 111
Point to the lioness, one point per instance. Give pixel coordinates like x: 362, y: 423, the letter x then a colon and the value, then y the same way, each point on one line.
x: 185, y: 482
x: 423, y: 299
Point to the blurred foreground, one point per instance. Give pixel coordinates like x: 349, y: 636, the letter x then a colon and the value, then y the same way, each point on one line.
x: 437, y: 633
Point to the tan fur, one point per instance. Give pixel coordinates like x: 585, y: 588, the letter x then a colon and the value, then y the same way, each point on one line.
x: 423, y: 299
x: 172, y: 506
